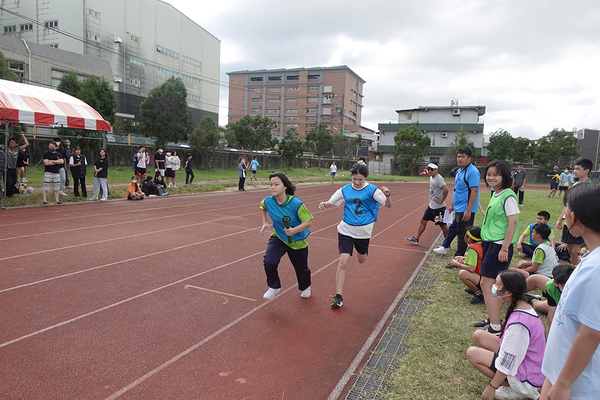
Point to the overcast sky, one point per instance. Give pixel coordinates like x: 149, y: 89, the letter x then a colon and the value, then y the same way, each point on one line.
x: 534, y: 64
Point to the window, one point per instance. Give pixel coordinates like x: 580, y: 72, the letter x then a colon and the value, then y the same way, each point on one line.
x: 191, y: 61
x: 311, y: 125
x: 51, y: 24
x: 291, y: 125
x: 274, y: 90
x: 135, y: 39
x: 408, y: 116
x: 292, y: 111
x: 312, y: 99
x: 311, y: 110
x: 292, y: 100
x: 325, y: 118
x: 313, y: 88
x: 311, y: 118
x: 167, y: 71
x: 274, y: 79
x: 313, y: 77
x: 293, y: 89
x: 293, y: 78
x: 167, y: 52
x: 256, y: 111
x: 190, y: 78
x: 93, y: 37
x: 26, y: 27
x: 256, y: 90
x: 10, y: 29
x: 94, y: 13
x: 54, y: 45
x: 256, y: 99
x: 193, y: 97
x: 273, y: 111
x: 135, y: 82
x: 256, y: 79
x: 136, y: 61
x: 274, y: 100
x: 291, y: 118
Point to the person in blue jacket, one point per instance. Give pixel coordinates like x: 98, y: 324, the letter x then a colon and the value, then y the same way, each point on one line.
x: 291, y: 220
x: 361, y: 205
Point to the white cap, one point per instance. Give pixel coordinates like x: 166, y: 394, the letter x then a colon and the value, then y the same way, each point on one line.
x: 432, y: 166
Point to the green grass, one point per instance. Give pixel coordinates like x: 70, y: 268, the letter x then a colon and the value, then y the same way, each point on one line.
x: 436, y: 367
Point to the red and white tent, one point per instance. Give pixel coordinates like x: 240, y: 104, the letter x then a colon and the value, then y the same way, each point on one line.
x: 36, y: 105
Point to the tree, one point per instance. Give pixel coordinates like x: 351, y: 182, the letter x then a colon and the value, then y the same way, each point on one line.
x: 343, y: 144
x: 410, y: 147
x: 99, y: 94
x: 319, y: 141
x: 523, y: 149
x: 557, y: 148
x: 5, y: 72
x: 500, y: 146
x: 253, y: 132
x: 165, y: 114
x: 69, y: 84
x: 290, y: 147
x: 461, y: 140
x: 205, y: 139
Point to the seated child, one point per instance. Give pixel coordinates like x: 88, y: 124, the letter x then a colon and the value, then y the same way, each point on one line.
x: 161, y: 186
x: 513, y: 361
x: 133, y: 190
x: 551, y: 289
x: 526, y: 244
x: 149, y: 188
x: 544, y: 256
x: 471, y: 263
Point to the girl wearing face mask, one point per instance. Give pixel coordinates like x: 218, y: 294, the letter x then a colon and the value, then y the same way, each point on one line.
x: 512, y: 361
x: 133, y: 190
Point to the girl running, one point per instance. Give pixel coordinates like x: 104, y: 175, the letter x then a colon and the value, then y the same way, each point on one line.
x: 498, y: 234
x: 362, y: 201
x: 291, y: 220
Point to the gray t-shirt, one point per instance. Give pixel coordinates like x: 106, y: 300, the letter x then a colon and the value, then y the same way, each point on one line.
x: 520, y: 177
x: 435, y: 191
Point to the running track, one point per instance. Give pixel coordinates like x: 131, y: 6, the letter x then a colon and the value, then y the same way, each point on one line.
x: 162, y: 299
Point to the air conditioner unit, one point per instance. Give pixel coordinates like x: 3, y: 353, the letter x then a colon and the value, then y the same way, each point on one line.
x: 456, y: 111
x: 444, y: 134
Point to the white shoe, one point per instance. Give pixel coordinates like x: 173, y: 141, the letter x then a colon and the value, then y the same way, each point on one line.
x: 93, y: 199
x: 63, y: 194
x: 523, y: 255
x: 441, y: 250
x: 174, y: 186
x: 270, y: 294
x: 505, y: 392
x: 305, y: 293
x: 103, y: 199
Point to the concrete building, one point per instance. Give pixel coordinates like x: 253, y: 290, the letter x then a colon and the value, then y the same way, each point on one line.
x: 440, y: 123
x: 144, y: 41
x: 589, y: 145
x: 299, y: 98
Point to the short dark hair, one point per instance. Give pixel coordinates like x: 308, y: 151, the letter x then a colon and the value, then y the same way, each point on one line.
x: 580, y: 198
x: 189, y: 155
x: 77, y: 148
x: 561, y: 273
x: 543, y: 230
x: 290, y: 188
x: 503, y: 170
x: 465, y: 150
x: 475, y: 231
x: 360, y: 169
x: 585, y: 164
x: 544, y: 214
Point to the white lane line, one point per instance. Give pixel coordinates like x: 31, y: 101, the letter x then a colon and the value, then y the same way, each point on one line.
x: 125, y: 301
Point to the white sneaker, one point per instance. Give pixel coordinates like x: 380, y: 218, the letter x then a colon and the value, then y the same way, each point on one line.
x: 270, y: 294
x: 505, y: 392
x: 523, y: 255
x: 93, y: 199
x: 441, y: 250
x: 103, y: 199
x: 174, y: 186
x: 305, y: 293
x: 63, y: 194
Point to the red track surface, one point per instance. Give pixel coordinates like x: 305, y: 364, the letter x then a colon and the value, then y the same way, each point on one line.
x: 94, y: 302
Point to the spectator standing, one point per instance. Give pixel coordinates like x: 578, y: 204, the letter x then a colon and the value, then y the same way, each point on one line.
x: 332, y: 171
x: 140, y: 163
x: 12, y: 155
x: 465, y: 200
x: 176, y: 166
x: 565, y: 181
x: 169, y: 160
x: 68, y: 152
x: 554, y: 179
x: 23, y: 163
x: 519, y: 179
x: 254, y: 166
x: 78, y: 166
x: 241, y: 173
x: 62, y: 172
x: 101, y: 176
x: 53, y: 162
x: 2, y: 169
x: 438, y: 191
x: 189, y: 171
x: 159, y: 161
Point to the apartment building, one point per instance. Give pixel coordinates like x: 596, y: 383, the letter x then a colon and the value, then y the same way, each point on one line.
x: 299, y: 98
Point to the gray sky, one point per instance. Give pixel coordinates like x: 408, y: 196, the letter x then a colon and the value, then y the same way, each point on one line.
x: 534, y: 64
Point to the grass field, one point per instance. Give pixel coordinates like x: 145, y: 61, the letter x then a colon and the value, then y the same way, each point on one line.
x: 436, y: 367
x: 204, y: 181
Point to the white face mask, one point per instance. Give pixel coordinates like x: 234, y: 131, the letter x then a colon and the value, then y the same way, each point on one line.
x: 133, y: 181
x: 495, y: 292
x: 168, y: 154
x: 160, y: 151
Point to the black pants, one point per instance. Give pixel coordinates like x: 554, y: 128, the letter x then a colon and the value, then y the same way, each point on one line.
x: 299, y: 258
x: 519, y: 193
x: 461, y: 229
x: 241, y: 184
x: 11, y: 181
x: 76, y: 182
x: 189, y: 174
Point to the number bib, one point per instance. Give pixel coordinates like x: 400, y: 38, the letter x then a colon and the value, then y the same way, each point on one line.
x: 360, y: 208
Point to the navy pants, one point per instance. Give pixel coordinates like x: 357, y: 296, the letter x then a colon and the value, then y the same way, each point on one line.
x: 299, y: 258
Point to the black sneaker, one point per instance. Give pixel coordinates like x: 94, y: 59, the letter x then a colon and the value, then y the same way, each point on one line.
x: 449, y: 266
x: 45, y: 204
x: 337, y: 301
x: 530, y: 298
x: 413, y: 240
x: 482, y: 324
x: 58, y: 203
x: 477, y: 298
x: 469, y: 290
x: 492, y: 331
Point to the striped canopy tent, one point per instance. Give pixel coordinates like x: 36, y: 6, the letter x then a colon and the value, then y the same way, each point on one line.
x: 34, y: 105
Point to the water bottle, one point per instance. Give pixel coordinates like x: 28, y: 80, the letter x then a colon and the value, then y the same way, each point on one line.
x: 27, y: 189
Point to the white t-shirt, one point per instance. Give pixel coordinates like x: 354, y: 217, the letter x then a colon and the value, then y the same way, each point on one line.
x: 333, y: 168
x: 176, y: 163
x: 579, y: 303
x: 436, y: 183
x: 142, y: 161
x: 169, y: 161
x: 356, y: 231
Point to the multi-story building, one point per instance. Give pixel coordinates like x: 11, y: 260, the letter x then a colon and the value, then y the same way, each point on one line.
x: 442, y: 124
x: 145, y: 42
x: 299, y: 98
x: 589, y: 144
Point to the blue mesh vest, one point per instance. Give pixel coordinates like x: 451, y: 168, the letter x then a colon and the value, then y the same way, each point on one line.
x: 360, y: 208
x: 289, y: 209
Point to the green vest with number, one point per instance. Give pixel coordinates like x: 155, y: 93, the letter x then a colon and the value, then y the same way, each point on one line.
x: 495, y: 221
